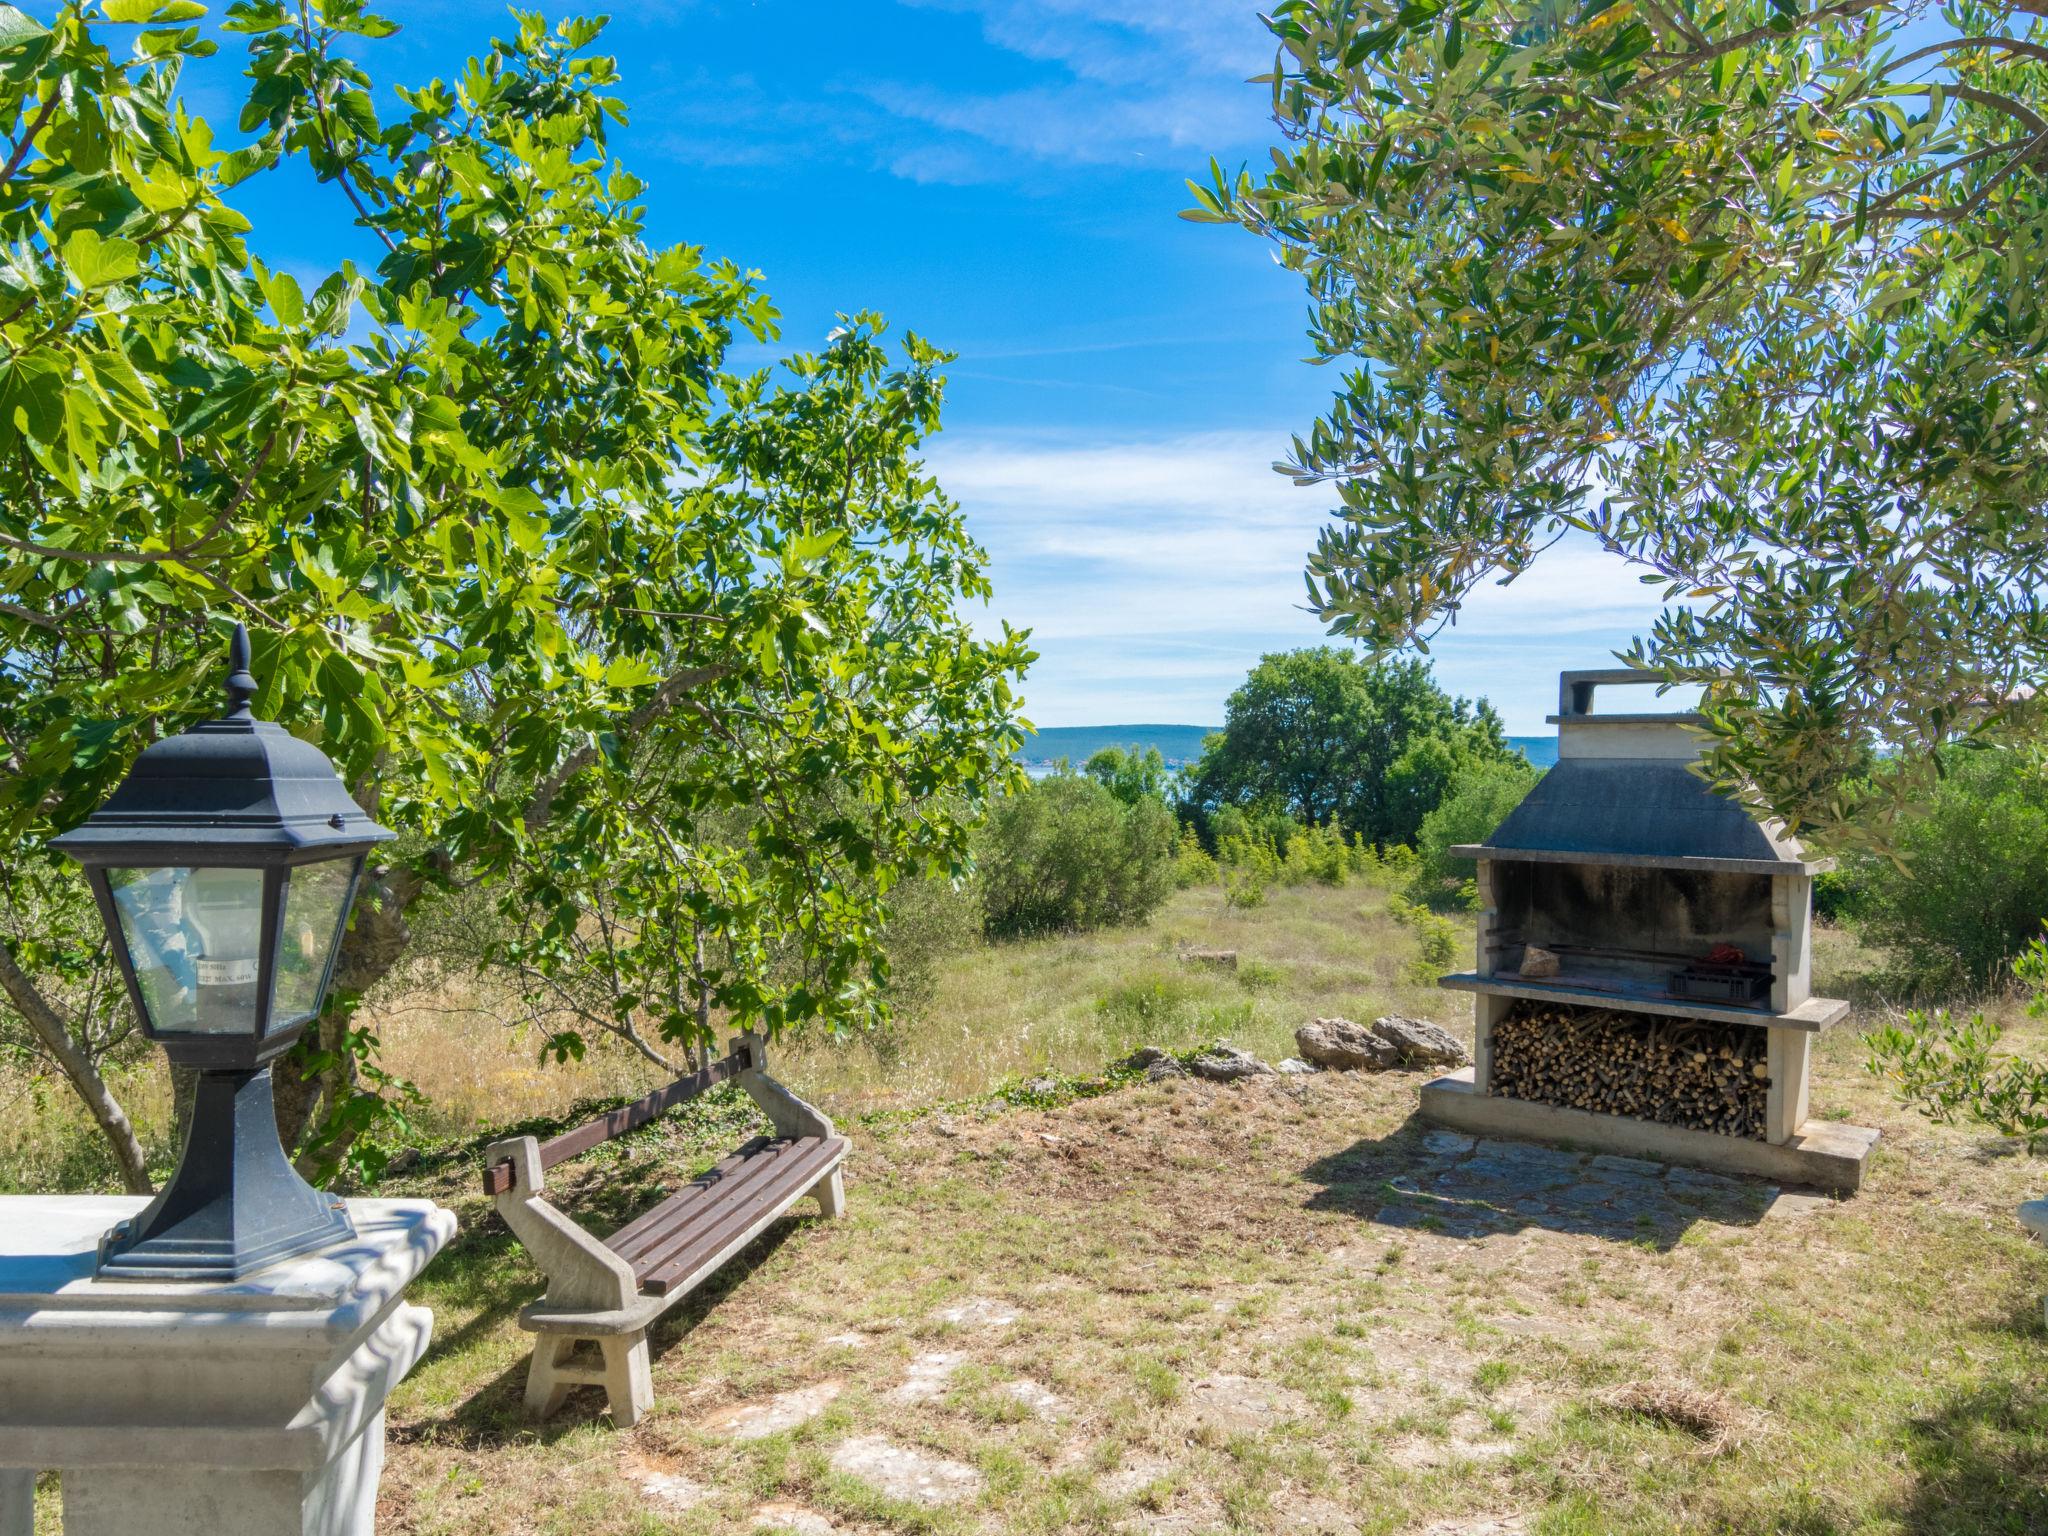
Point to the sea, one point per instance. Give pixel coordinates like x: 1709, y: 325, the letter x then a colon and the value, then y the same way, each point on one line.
x: 1180, y: 745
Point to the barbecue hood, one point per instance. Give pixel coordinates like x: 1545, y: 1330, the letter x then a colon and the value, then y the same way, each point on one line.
x: 1624, y: 792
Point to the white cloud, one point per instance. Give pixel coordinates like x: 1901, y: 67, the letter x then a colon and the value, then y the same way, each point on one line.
x: 1154, y: 573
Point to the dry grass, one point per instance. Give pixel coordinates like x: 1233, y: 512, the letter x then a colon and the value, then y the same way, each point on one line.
x: 1226, y: 1317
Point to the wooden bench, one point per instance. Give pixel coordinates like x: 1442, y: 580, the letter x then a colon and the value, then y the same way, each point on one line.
x: 607, y: 1291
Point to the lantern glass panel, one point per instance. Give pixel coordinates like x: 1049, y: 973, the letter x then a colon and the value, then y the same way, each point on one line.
x: 315, y: 909
x: 194, y: 937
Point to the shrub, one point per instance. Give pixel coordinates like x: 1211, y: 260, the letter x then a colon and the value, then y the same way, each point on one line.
x: 1478, y: 800
x: 1971, y: 885
x: 1319, y: 854
x: 929, y: 918
x: 1436, y: 936
x: 1065, y: 855
x: 1192, y: 863
x: 1946, y: 1070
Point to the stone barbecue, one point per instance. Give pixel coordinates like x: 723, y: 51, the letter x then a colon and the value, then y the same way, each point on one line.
x: 1643, y: 964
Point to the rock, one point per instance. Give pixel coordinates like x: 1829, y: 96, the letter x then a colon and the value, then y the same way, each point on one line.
x: 1294, y: 1066
x: 1039, y: 1399
x: 925, y: 1377
x: 1161, y: 1071
x: 1537, y: 963
x: 1228, y: 1064
x: 671, y: 1490
x: 795, y: 1518
x: 1145, y: 1056
x: 1215, y: 959
x: 1041, y: 1087
x: 979, y: 1312
x: 1343, y: 1046
x: 1447, y: 1143
x: 1419, y: 1043
x: 902, y: 1473
x: 785, y: 1410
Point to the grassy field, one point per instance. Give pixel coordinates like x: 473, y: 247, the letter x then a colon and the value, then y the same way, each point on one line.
x: 1280, y: 1306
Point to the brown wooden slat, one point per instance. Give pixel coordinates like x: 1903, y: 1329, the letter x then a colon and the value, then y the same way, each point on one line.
x: 650, y: 1226
x: 795, y: 1172
x: 693, y: 1208
x: 700, y: 1242
x: 628, y: 1117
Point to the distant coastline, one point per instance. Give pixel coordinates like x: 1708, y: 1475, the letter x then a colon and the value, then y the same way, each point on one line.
x: 1180, y: 745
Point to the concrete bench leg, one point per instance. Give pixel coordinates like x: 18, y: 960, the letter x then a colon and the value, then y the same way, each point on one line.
x: 831, y: 1193
x: 17, y: 1502
x: 626, y: 1375
x: 628, y: 1378
x: 549, y: 1375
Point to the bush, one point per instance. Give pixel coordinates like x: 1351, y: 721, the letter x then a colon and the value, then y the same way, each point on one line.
x: 930, y: 918
x: 1436, y: 937
x: 1946, y: 1070
x: 1192, y: 863
x: 1066, y: 855
x: 1477, y: 801
x: 1971, y: 887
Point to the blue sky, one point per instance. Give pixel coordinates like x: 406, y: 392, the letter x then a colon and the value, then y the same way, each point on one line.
x: 1003, y: 177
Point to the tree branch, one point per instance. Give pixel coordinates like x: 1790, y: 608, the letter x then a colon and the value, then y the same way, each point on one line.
x: 666, y: 697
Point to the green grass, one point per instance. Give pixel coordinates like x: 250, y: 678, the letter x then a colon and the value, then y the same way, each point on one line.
x: 1878, y: 1364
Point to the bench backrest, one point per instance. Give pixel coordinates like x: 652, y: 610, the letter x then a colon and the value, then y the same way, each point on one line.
x: 628, y: 1117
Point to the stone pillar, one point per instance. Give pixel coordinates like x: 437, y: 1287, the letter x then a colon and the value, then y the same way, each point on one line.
x: 1788, y: 1055
x: 247, y: 1408
x: 17, y: 1502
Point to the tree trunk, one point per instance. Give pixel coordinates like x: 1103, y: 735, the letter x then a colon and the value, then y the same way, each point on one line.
x: 376, y: 941
x: 78, y: 1066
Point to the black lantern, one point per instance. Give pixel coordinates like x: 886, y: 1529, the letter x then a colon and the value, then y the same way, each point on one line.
x: 225, y: 865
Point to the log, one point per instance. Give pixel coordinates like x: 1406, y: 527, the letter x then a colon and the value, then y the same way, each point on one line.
x: 1689, y: 1072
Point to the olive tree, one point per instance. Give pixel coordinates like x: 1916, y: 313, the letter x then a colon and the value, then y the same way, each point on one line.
x: 662, y: 663
x: 1749, y: 292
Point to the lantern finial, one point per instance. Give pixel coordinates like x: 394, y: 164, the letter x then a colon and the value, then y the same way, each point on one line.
x: 241, y: 686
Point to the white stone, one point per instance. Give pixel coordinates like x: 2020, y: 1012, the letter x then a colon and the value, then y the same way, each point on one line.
x: 243, y: 1408
x: 902, y: 1473
x: 926, y: 1376
x: 794, y: 1518
x: 979, y: 1312
x: 671, y: 1490
x: 785, y: 1410
x: 1040, y: 1399
x: 847, y: 1340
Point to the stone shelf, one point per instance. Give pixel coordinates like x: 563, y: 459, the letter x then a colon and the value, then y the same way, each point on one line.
x: 1812, y: 1016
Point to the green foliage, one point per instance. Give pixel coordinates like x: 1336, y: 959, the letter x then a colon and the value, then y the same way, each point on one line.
x: 669, y: 658
x: 1066, y: 855
x: 1320, y: 738
x: 1476, y: 802
x: 1436, y: 937
x: 1971, y: 885
x: 931, y: 917
x: 1131, y: 774
x: 1750, y: 295
x: 1192, y: 863
x: 1947, y: 1070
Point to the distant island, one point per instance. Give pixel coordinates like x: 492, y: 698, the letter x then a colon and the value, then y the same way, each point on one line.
x: 1180, y: 745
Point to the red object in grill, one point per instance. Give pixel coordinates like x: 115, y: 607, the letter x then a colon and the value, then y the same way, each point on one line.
x: 1726, y: 954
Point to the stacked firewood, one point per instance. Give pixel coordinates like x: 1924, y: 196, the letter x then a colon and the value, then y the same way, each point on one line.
x: 1710, y: 1077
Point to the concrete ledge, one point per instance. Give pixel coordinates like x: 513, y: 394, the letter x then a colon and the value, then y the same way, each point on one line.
x: 1824, y: 1154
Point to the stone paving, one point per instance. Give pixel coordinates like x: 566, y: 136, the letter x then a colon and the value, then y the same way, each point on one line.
x: 1472, y: 1188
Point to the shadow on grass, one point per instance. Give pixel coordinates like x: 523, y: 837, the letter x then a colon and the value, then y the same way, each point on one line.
x: 1420, y: 1177
x: 1980, y: 1459
x: 494, y: 1413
